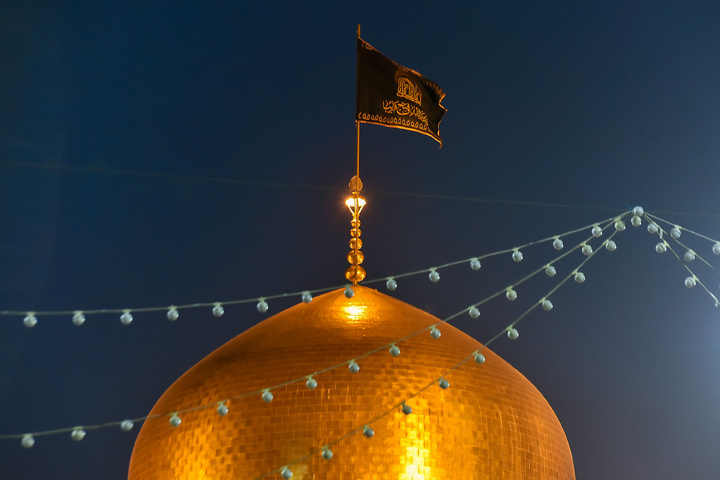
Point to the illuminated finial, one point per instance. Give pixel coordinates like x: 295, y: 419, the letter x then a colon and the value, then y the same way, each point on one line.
x: 355, y: 273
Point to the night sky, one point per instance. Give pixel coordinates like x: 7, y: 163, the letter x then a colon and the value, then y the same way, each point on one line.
x: 158, y: 153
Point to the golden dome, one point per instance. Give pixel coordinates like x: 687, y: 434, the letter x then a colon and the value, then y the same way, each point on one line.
x: 491, y: 423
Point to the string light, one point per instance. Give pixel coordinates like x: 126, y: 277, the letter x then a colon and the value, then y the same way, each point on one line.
x: 511, y: 294
x: 550, y: 271
x: 636, y: 221
x: 474, y: 312
x: 222, y: 409
x: 610, y: 245
x: 368, y: 432
x: 306, y: 297
x: 689, y: 256
x: 546, y: 305
x: 517, y: 255
x: 661, y: 247
x: 716, y: 249
x: 512, y: 333
x: 311, y: 383
x: 353, y: 367
x: 579, y: 277
x: 652, y: 228
x: 434, y: 276
x: 349, y: 292
x: 675, y: 232
x: 394, y: 350
x: 126, y: 425
x: 327, y: 454
x: 619, y: 225
x: 218, y: 310
x: 444, y: 384
x: 391, y: 284
x: 267, y: 396
x: 406, y: 409
x: 587, y: 250
x: 479, y: 358
x: 475, y: 264
x: 286, y: 473
x: 78, y: 434
x: 596, y: 231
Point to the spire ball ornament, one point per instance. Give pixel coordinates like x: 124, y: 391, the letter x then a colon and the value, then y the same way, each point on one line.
x: 355, y: 273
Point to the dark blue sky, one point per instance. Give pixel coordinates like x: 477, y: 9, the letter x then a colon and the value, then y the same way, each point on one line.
x: 156, y: 153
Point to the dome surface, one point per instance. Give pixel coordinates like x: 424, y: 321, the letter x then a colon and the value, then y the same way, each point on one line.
x: 491, y: 423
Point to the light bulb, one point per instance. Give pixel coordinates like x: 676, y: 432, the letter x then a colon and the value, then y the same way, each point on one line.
x: 173, y: 314
x: 30, y: 320
x: 262, y: 306
x: 558, y: 244
x: 394, y: 351
x: 77, y: 434
x: 78, y: 319
x: 579, y: 277
x: 475, y: 264
x: 368, y: 432
x: 391, y: 284
x: 638, y: 211
x: 267, y: 396
x: 222, y: 409
x: 512, y: 334
x: 517, y: 256
x: 690, y: 282
x: 675, y: 232
x: 434, y: 276
x: 716, y: 249
x: 660, y: 247
x: 218, y: 311
x: 126, y: 318
x: 327, y: 453
x: 547, y: 305
x: 652, y: 228
x: 636, y: 221
x: 550, y: 271
x: 474, y: 312
x: 27, y: 441
x: 306, y: 297
x: 126, y: 425
x: 611, y: 246
x: 444, y: 384
x: 587, y: 250
x: 353, y: 367
x: 479, y: 358
x: 619, y: 225
x: 689, y: 256
x: 511, y: 294
x: 175, y: 420
x: 349, y: 292
x: 597, y: 231
x: 435, y: 333
x: 286, y: 473
x: 406, y: 409
x: 311, y: 383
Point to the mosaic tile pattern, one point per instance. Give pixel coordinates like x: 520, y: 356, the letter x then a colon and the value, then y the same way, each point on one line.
x: 491, y: 423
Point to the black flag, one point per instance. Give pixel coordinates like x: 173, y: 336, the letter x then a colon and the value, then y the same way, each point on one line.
x: 392, y: 95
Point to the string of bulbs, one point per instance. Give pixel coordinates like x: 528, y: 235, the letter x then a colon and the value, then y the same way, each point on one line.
x: 674, y: 233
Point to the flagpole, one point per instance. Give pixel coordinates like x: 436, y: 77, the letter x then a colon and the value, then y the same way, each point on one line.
x: 355, y: 273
